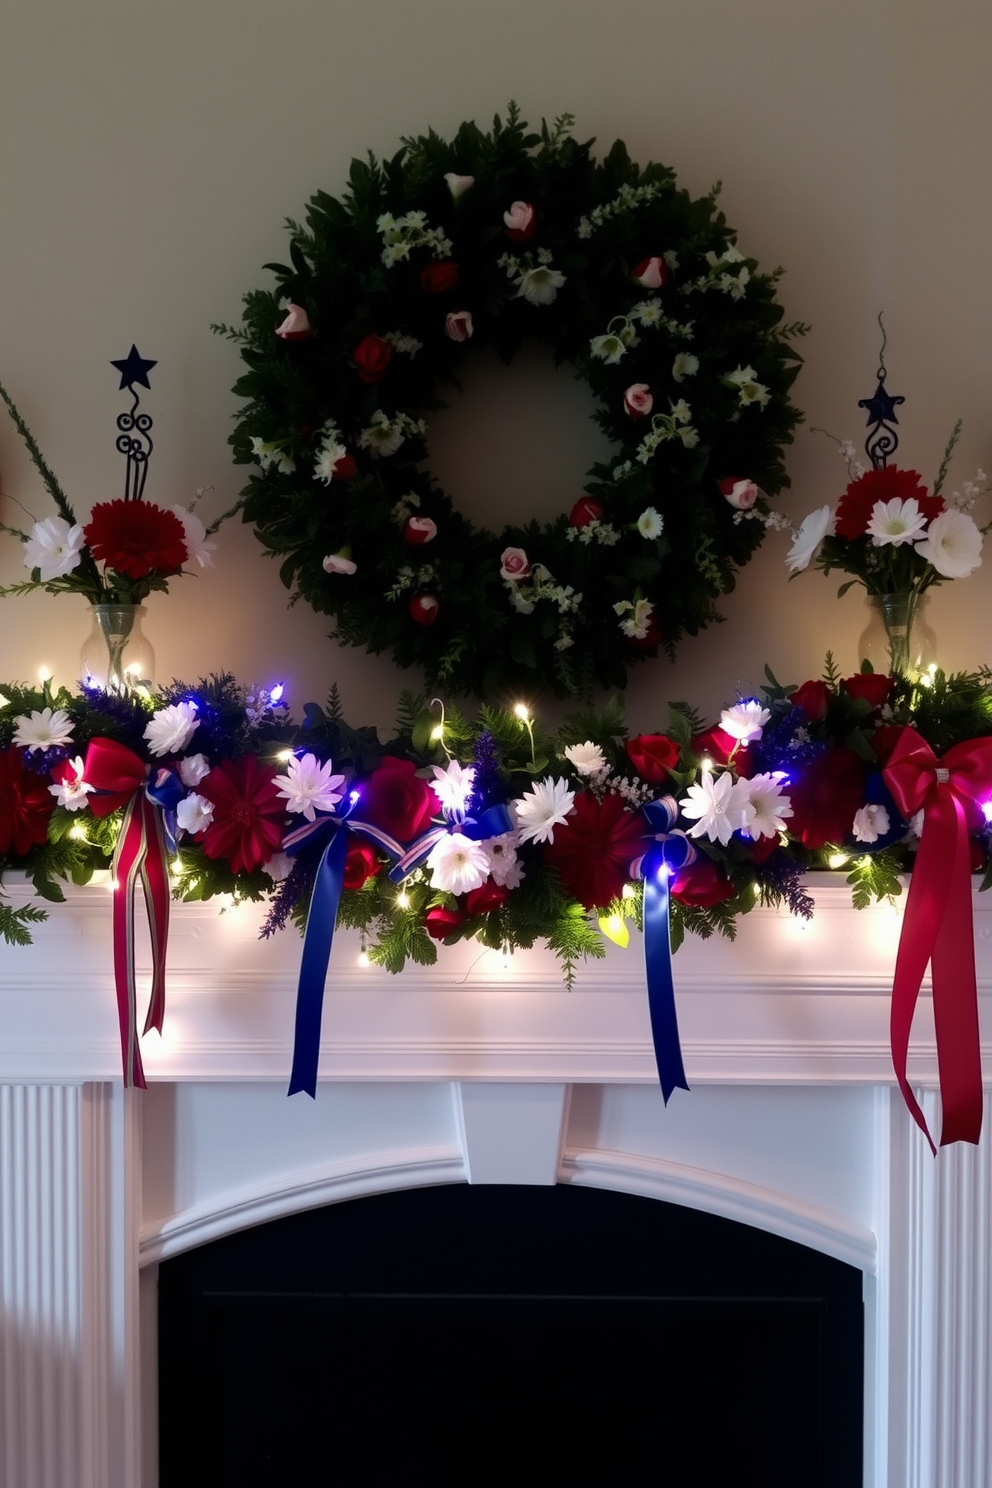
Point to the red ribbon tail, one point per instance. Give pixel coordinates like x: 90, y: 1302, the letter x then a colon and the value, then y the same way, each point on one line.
x: 955, y: 1006
x: 128, y: 856
x: 155, y: 879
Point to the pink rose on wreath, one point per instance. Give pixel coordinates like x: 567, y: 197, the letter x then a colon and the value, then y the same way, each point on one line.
x: 419, y: 530
x: 740, y: 493
x: 650, y: 273
x: 584, y: 511
x: 638, y: 400
x: 514, y: 564
x: 339, y: 563
x: 520, y: 220
x: 296, y: 326
x: 458, y: 325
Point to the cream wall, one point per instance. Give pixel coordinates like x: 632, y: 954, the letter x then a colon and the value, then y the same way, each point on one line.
x: 149, y: 153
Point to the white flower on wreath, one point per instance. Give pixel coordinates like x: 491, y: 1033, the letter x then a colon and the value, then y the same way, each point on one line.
x: 382, y: 437
x: 870, y: 822
x: 893, y: 523
x: 331, y: 451
x: 650, y: 523
x: 540, y: 285
x: 453, y: 785
x: 749, y: 390
x: 339, y: 563
x: 684, y: 365
x: 815, y: 526
x: 745, y: 720
x: 587, y: 758
x: 195, y: 536
x: 953, y: 545
x: 270, y: 453
x: 309, y: 786
x: 537, y: 812
x: 719, y: 805
x: 194, y: 813
x: 49, y: 729
x: 457, y: 864
x: 54, y: 548
x: 638, y: 613
x: 193, y: 769
x: 73, y: 790
x: 170, y: 729
x: 505, y: 867
x: 458, y: 185
x: 768, y: 806
x: 609, y: 348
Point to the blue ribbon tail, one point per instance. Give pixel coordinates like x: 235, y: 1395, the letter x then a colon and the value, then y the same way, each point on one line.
x: 317, y: 941
x: 661, y: 987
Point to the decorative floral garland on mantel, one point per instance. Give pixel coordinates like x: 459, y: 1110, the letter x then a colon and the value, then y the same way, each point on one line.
x: 498, y: 831
x: 488, y: 240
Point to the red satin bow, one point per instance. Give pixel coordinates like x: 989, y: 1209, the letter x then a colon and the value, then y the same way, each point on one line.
x: 937, y: 925
x: 119, y: 775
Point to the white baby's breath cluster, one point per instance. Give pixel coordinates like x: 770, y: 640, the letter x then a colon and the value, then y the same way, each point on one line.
x: 384, y: 435
x: 668, y: 426
x: 400, y: 235
x: 626, y: 199
x: 723, y: 274
x: 405, y: 345
x: 594, y: 532
x: 405, y: 507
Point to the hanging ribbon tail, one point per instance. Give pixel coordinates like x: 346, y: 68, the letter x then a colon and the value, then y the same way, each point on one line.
x: 158, y: 899
x: 317, y: 942
x: 661, y: 986
x: 128, y: 859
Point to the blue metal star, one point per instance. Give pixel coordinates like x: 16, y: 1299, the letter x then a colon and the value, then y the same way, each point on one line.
x: 882, y: 407
x: 134, y: 368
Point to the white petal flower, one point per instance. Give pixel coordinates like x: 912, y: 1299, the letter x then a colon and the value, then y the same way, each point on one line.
x: 457, y: 864
x: 271, y: 453
x: 540, y: 286
x: 328, y: 456
x: 195, y: 534
x: 194, y: 813
x: 639, y: 614
x: 382, y: 437
x: 193, y: 769
x: 453, y: 786
x: 458, y: 185
x: 805, y: 545
x: 339, y: 563
x: 537, y: 812
x: 171, y: 728
x: 309, y: 786
x: 953, y: 544
x: 609, y: 348
x: 871, y: 822
x: 504, y: 865
x: 719, y: 805
x: 73, y: 790
x: 769, y: 807
x: 279, y: 867
x: 54, y: 548
x: 685, y: 365
x: 587, y: 758
x: 650, y: 523
x: 895, y: 522
x: 745, y: 720
x: 49, y: 729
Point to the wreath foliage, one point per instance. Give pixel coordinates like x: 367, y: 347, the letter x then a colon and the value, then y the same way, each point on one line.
x: 486, y: 241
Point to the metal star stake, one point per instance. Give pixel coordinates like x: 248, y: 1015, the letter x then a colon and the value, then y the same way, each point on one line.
x: 133, y: 440
x: 882, y: 440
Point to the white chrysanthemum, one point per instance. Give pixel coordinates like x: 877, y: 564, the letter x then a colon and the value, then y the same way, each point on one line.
x: 895, y: 522
x: 193, y: 769
x: 73, y: 790
x: 504, y: 865
x: 540, y: 286
x: 328, y: 456
x: 953, y: 544
x: 685, y: 365
x: 805, y: 545
x: 309, y: 786
x: 54, y: 548
x: 650, y: 523
x: 453, y: 786
x: 587, y: 758
x: 870, y: 823
x: 171, y: 728
x: 194, y: 813
x: 768, y: 806
x: 49, y: 729
x: 198, y: 545
x: 537, y: 812
x: 719, y: 805
x: 745, y: 720
x: 457, y: 864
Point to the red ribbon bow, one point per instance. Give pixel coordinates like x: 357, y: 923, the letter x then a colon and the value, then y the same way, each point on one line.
x: 937, y: 925
x: 119, y: 775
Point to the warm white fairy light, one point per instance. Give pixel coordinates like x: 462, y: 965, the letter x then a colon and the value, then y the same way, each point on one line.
x: 837, y: 860
x: 78, y: 831
x: 628, y: 892
x: 437, y: 733
x: 706, y: 764
x: 522, y: 712
x: 403, y: 899
x: 45, y: 674
x: 284, y: 756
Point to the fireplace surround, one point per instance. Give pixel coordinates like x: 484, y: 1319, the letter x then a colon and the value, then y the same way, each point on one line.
x: 482, y: 1073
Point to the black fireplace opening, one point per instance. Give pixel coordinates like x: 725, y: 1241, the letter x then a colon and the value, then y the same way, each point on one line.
x: 509, y: 1336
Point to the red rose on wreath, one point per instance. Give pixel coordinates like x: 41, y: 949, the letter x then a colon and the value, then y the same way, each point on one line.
x: 828, y: 792
x: 360, y: 864
x: 584, y: 511
x: 25, y: 805
x: 486, y: 898
x: 136, y: 538
x: 436, y: 278
x: 396, y: 800
x: 372, y: 358
x: 653, y: 756
x: 593, y: 850
x: 249, y: 813
x: 345, y: 469
x: 855, y: 506
x: 423, y: 609
x: 440, y: 922
x: 812, y: 700
x: 702, y: 885
x: 874, y: 687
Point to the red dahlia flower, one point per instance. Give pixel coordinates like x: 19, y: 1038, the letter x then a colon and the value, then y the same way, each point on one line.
x: 855, y: 506
x: 136, y: 538
x: 828, y: 792
x: 25, y: 805
x: 247, y: 826
x: 594, y: 849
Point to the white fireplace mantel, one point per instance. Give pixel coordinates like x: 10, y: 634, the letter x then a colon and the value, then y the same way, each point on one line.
x: 479, y: 1071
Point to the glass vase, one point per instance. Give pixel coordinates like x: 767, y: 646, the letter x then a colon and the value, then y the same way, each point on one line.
x: 116, y: 654
x: 897, y: 638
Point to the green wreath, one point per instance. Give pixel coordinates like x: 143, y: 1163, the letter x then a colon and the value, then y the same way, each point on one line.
x: 487, y: 241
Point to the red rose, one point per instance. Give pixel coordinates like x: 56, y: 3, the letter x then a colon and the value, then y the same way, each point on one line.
x: 360, y: 864
x: 827, y: 793
x: 594, y: 848
x: 423, y: 609
x: 25, y: 805
x: 435, y: 278
x: 372, y: 357
x: 345, y: 469
x: 249, y: 813
x: 653, y: 756
x: 811, y: 699
x: 874, y: 687
x: 702, y: 884
x: 520, y: 221
x: 719, y: 745
x: 136, y: 538
x: 584, y: 511
x: 440, y: 922
x: 650, y: 273
x: 396, y: 800
x: 855, y: 506
x: 486, y: 898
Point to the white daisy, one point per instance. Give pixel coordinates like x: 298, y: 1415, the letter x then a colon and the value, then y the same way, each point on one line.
x: 49, y: 729
x: 309, y: 786
x: 895, y: 522
x: 171, y: 728
x: 745, y: 720
x: 587, y: 758
x: 457, y: 864
x: 650, y: 523
x: 718, y: 804
x: 537, y: 812
x: 54, y: 548
x: 768, y: 806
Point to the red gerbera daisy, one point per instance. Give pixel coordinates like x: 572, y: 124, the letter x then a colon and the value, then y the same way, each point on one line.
x: 25, y: 805
x: 594, y: 849
x: 855, y: 506
x: 136, y: 538
x: 247, y: 827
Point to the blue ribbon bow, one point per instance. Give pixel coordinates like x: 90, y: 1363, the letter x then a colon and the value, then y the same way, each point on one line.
x: 670, y: 852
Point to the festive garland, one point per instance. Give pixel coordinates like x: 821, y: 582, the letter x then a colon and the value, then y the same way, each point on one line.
x: 489, y: 240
